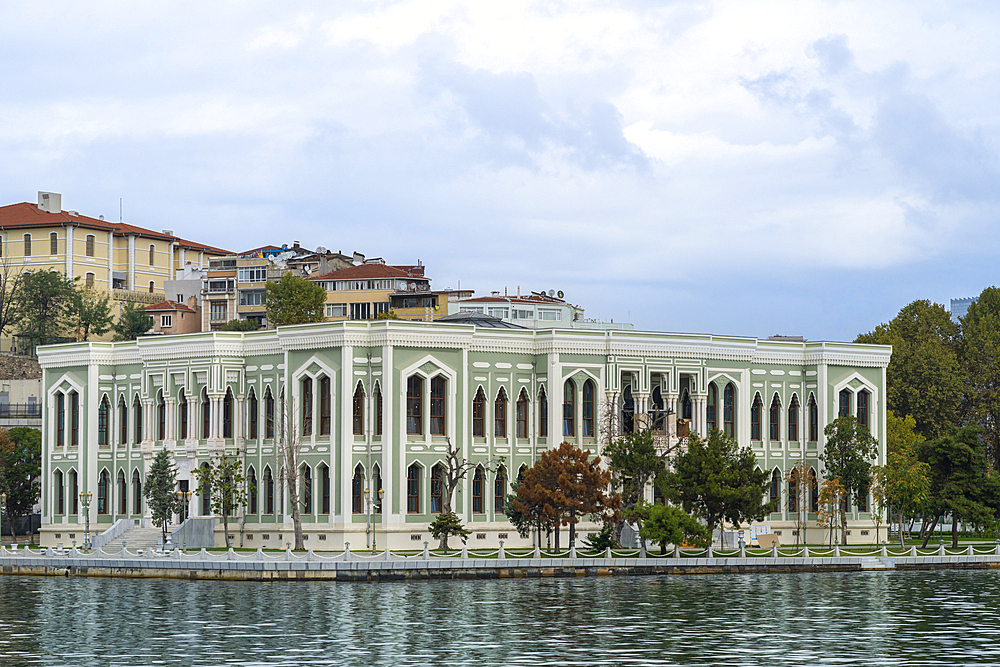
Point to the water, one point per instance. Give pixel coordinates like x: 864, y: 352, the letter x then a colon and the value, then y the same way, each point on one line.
x: 895, y: 618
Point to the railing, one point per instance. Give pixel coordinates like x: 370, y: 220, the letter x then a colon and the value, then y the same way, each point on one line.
x: 138, y: 297
x: 117, y: 529
x: 22, y: 410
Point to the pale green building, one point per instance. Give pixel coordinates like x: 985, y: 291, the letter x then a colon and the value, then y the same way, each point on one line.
x: 374, y: 405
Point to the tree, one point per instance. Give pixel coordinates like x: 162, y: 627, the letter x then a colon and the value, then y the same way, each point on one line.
x: 958, y: 478
x: 294, y: 300
x: 456, y: 471
x: 799, y: 482
x: 20, y: 471
x: 240, y: 325
x: 564, y: 485
x: 832, y: 497
x: 980, y: 352
x: 132, y: 322
x: 445, y: 525
x: 716, y: 480
x: 904, y: 476
x: 633, y: 461
x: 91, y: 314
x: 11, y: 280
x: 850, y: 446
x: 44, y: 304
x: 159, y: 491
x: 669, y: 524
x: 603, y: 539
x: 224, y: 483
x: 880, y: 498
x: 524, y: 511
x: 289, y: 451
x: 925, y: 376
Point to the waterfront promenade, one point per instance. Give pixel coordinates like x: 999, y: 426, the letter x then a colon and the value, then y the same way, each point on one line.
x: 477, y: 564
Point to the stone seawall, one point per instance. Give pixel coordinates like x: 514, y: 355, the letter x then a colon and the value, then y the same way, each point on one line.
x: 250, y: 569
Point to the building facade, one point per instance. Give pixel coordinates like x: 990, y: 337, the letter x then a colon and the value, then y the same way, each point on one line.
x: 374, y: 406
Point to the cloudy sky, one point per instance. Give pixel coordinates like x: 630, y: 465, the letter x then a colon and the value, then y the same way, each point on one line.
x: 752, y: 168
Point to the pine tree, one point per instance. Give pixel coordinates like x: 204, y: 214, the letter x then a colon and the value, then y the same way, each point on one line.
x: 159, y: 491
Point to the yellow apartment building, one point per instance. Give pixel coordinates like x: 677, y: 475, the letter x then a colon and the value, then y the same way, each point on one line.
x: 363, y: 292
x: 130, y: 262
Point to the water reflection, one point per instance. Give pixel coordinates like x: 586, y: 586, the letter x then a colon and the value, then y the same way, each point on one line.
x: 878, y: 618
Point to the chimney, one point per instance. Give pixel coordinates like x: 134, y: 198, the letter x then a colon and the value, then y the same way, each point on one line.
x: 295, y: 244
x: 168, y: 232
x: 192, y: 302
x: 50, y: 202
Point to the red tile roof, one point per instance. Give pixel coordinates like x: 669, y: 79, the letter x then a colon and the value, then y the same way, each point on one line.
x: 515, y: 299
x: 169, y: 305
x: 261, y: 249
x: 369, y: 271
x: 27, y: 216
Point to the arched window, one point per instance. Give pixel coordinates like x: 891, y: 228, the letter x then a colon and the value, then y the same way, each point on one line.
x: 477, y: 491
x: 500, y: 414
x: 227, y: 414
x: 628, y: 409
x: 324, y: 406
x: 845, y: 403
x: 711, y: 408
x: 793, y: 498
x: 151, y: 287
x: 413, y: 489
x: 437, y: 405
x: 814, y: 491
x: 520, y: 473
x: 324, y: 486
x: 774, y: 421
x: 102, y: 492
x: 206, y: 414
x: 252, y: 408
x: 499, y: 490
x: 74, y: 405
x: 479, y: 415
x: 437, y: 488
x: 90, y: 279
x: 57, y: 482
x: 251, y: 490
x: 543, y: 414
x: 686, y: 404
x: 152, y: 255
x: 161, y: 417
x: 307, y: 406
x: 793, y: 419
x: 268, y: 491
x: 569, y: 408
x: 307, y: 489
x: 729, y: 410
x: 658, y: 421
x: 268, y: 414
x: 122, y: 421
x: 813, y: 419
x: 60, y: 419
x: 776, y: 486
x: 414, y: 405
x: 74, y: 497
x: 377, y: 488
x: 122, y: 493
x: 27, y: 245
x: 357, y: 484
x: 137, y: 414
x: 182, y: 407
x: 53, y: 244
x: 863, y: 409
x: 755, y: 409
x: 136, y: 493
x: 206, y: 492
x: 588, y: 409
x: 521, y: 415
x: 378, y: 409
x: 90, y: 245
x: 358, y: 411
x: 103, y: 435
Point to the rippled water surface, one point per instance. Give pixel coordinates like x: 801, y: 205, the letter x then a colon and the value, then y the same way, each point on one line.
x: 929, y: 618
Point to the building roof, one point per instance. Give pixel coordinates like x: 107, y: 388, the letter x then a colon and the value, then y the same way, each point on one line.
x: 479, y: 320
x: 531, y: 300
x: 26, y: 216
x: 369, y: 271
x: 169, y: 305
x: 263, y: 248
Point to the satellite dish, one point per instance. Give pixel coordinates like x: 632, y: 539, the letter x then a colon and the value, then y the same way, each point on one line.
x: 551, y: 292
x: 560, y: 294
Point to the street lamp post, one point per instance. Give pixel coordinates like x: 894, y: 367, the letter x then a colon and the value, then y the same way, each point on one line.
x: 85, y: 499
x: 3, y: 510
x: 368, y: 519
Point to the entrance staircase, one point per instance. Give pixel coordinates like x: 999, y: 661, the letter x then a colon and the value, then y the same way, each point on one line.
x: 877, y: 563
x: 136, y: 538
